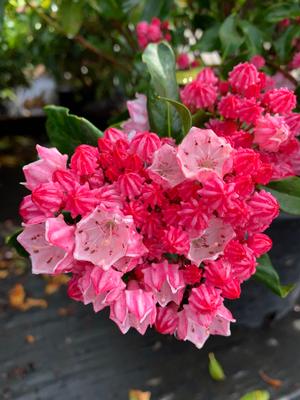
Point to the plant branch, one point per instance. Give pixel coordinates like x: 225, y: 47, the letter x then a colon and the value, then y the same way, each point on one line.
x: 283, y: 72
x: 79, y: 39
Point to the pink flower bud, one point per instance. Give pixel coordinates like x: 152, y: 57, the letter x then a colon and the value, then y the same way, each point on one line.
x: 85, y: 160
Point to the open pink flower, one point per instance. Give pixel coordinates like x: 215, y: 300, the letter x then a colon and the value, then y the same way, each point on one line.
x: 189, y: 328
x: 41, y: 171
x: 102, y: 237
x: 101, y: 287
x: 166, y: 282
x: 50, y: 245
x: 202, y: 153
x: 165, y: 168
x: 134, y: 308
x: 138, y: 113
x: 212, y: 242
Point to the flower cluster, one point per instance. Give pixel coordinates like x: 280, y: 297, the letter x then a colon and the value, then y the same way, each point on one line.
x: 250, y: 113
x: 152, y: 32
x: 160, y: 233
x: 183, y: 61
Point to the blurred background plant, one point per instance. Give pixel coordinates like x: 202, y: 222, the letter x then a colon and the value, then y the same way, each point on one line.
x: 85, y: 54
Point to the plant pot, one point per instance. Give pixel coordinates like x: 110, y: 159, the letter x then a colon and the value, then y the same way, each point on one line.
x: 258, y: 305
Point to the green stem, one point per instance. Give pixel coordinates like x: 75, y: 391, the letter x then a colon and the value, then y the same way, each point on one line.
x: 169, y: 120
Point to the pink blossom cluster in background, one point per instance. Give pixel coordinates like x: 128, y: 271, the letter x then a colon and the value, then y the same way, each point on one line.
x: 152, y: 32
x: 251, y: 114
x: 159, y: 233
x: 184, y: 61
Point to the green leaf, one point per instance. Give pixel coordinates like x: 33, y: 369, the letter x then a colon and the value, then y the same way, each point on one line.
x: 183, y: 111
x: 2, y: 10
x: 289, y: 185
x: 253, y: 37
x: 67, y: 131
x: 287, y: 192
x: 156, y: 8
x: 110, y: 9
x: 128, y: 5
x: 257, y: 395
x: 200, y: 117
x: 13, y: 242
x: 231, y: 39
x: 277, y: 12
x: 184, y: 77
x: 210, y: 39
x: 70, y: 16
x: 266, y: 274
x: 289, y: 204
x: 160, y: 61
x: 284, y: 43
x: 215, y: 368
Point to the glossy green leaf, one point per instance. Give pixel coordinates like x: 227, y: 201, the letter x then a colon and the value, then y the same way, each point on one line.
x: 279, y: 11
x: 184, y: 77
x: 256, y: 395
x: 128, y: 5
x: 200, y: 117
x: 284, y: 44
x: 253, y: 37
x: 70, y: 16
x: 13, y: 242
x: 231, y: 39
x: 287, y: 192
x: 156, y: 8
x: 215, y: 368
x: 183, y: 111
x: 2, y: 10
x: 266, y: 274
x: 210, y: 39
x: 289, y: 185
x: 109, y: 9
x: 160, y: 61
x: 67, y: 131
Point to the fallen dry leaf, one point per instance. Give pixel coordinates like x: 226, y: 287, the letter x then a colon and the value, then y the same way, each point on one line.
x: 55, y: 282
x: 3, y: 274
x: 30, y: 339
x: 275, y: 383
x: 30, y: 303
x: 66, y: 311
x: 139, y: 395
x: 18, y: 300
x: 17, y: 296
